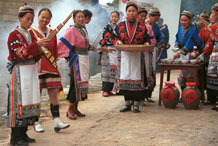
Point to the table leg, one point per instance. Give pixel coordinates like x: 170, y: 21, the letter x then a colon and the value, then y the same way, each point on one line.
x: 161, y: 84
x: 201, y: 82
x: 168, y: 75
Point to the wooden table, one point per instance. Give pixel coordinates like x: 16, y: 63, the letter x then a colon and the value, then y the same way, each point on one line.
x: 195, y: 68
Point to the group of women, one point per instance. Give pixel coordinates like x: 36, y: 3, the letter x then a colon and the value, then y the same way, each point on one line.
x: 131, y: 74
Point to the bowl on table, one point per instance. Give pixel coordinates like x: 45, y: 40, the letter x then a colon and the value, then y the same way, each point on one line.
x: 163, y: 60
x: 184, y: 61
x: 169, y: 61
x: 193, y: 61
x: 177, y: 61
x: 175, y: 49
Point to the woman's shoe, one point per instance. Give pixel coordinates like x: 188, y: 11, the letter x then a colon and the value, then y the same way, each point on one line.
x: 125, y: 108
x: 70, y: 115
x: 136, y: 109
x: 77, y: 112
x: 38, y: 127
x: 105, y: 94
x: 111, y: 93
x: 58, y: 125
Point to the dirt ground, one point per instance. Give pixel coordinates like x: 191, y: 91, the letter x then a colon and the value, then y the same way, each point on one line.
x: 105, y: 125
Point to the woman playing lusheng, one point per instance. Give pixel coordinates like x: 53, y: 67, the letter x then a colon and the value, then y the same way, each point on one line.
x: 186, y: 38
x: 74, y: 46
x: 49, y: 77
x: 24, y: 94
x: 108, y: 60
x: 131, y: 78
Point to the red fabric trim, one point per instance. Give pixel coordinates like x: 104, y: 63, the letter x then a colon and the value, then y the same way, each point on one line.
x: 131, y: 31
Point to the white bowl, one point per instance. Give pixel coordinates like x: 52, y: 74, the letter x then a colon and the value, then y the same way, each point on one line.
x: 184, y: 61
x: 169, y: 61
x: 177, y: 61
x: 163, y: 60
x: 193, y: 61
x: 175, y: 49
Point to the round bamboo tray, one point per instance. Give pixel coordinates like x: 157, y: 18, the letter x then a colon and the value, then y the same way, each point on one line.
x: 103, y: 49
x: 134, y: 48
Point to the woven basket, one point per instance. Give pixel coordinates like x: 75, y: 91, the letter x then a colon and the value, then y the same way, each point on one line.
x: 103, y: 49
x: 135, y: 48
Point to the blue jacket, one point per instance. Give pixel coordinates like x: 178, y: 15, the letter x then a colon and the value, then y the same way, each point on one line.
x: 190, y: 39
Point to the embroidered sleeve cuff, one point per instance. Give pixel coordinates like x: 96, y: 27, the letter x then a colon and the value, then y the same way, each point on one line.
x: 202, y: 57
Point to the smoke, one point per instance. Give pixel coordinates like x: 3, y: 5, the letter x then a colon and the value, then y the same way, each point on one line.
x: 60, y: 10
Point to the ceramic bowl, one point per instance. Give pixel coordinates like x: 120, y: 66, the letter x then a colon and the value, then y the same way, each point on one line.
x: 177, y: 61
x: 169, y: 61
x: 184, y: 61
x: 175, y: 49
x: 193, y: 61
x: 163, y: 60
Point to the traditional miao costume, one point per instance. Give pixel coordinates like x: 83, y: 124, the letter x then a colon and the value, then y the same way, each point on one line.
x: 212, y: 80
x: 48, y: 75
x: 24, y: 93
x: 50, y: 78
x: 204, y: 35
x: 150, y: 64
x: 108, y: 60
x: 153, y: 59
x: 131, y: 78
x: 186, y: 39
x: 74, y: 45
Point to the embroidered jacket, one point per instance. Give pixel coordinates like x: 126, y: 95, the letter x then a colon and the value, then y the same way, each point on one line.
x: 213, y: 40
x: 137, y: 35
x: 44, y: 65
x: 20, y: 50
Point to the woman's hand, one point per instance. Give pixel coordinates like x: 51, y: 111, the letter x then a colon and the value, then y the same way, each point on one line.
x: 43, y: 42
x: 198, y: 60
x: 177, y: 54
x: 119, y: 42
x: 94, y: 48
x: 214, y: 49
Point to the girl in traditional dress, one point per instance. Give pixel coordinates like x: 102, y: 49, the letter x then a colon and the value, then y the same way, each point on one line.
x: 24, y: 94
x: 74, y: 46
x: 186, y: 38
x: 49, y: 75
x: 211, y: 53
x: 108, y: 59
x: 150, y: 57
x: 131, y: 78
x: 153, y: 17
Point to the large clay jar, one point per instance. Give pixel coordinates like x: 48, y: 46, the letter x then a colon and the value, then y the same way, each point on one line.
x: 170, y: 95
x: 191, y: 96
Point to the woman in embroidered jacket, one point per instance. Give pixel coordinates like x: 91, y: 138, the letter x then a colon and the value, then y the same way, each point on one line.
x: 49, y: 76
x: 74, y: 46
x: 131, y: 78
x: 24, y: 95
x: 108, y: 59
x: 150, y: 57
x: 211, y: 53
x: 186, y: 38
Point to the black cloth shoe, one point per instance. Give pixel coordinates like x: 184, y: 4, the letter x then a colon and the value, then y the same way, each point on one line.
x: 19, y: 143
x: 136, y: 109
x: 28, y: 139
x: 125, y: 108
x: 149, y: 99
